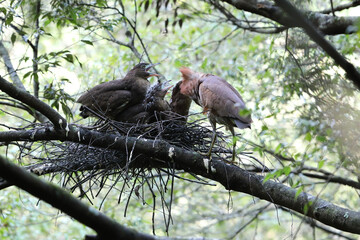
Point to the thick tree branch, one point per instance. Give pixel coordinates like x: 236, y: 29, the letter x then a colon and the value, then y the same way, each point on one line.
x: 105, y: 227
x: 246, y: 26
x: 350, y: 70
x: 327, y: 24
x: 230, y: 176
x: 25, y: 97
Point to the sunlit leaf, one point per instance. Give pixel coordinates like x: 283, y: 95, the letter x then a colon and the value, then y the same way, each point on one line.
x: 87, y: 42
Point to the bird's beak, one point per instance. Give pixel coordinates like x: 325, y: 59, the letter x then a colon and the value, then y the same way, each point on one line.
x: 151, y: 66
x: 167, y: 88
x: 154, y: 75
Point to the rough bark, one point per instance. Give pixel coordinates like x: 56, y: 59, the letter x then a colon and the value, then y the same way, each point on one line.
x: 327, y: 24
x: 25, y: 97
x: 350, y: 70
x: 230, y: 176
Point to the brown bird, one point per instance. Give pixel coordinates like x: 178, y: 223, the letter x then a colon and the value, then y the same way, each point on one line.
x: 113, y: 97
x: 219, y: 100
x: 180, y: 103
x: 150, y: 109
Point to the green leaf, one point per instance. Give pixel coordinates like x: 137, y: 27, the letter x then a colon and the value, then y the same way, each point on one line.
x: 27, y: 74
x: 268, y: 177
x: 321, y: 138
x: 101, y: 3
x: 307, y: 206
x: 321, y: 164
x: 182, y: 46
x: 87, y: 42
x: 298, y: 192
x: 269, y: 116
x: 13, y: 38
x: 306, y: 209
x: 244, y: 112
x: 287, y: 170
x: 308, y: 137
x: 55, y: 104
x: 66, y: 110
x: 69, y: 58
x: 259, y: 150
x: 3, y: 10
x: 203, y: 65
x: 77, y: 59
x: 279, y: 172
x: 9, y: 19
x: 278, y: 148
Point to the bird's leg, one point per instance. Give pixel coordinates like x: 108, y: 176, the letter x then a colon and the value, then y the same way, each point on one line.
x: 208, y: 154
x: 212, y: 143
x: 234, y: 143
x: 213, y: 124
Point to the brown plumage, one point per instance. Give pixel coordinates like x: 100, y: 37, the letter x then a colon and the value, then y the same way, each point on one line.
x: 150, y: 109
x: 114, y: 97
x: 218, y: 99
x: 180, y: 103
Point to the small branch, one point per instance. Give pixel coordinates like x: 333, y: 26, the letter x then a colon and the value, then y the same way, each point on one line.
x: 341, y: 7
x: 334, y: 179
x: 313, y: 223
x: 10, y: 68
x: 235, y: 21
x: 133, y: 27
x: 105, y: 227
x: 57, y: 120
x: 21, y: 33
x: 15, y: 78
x: 258, y: 212
x: 36, y: 50
x: 332, y: 7
x: 350, y: 70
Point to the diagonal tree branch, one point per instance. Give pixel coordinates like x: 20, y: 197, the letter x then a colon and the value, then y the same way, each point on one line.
x: 36, y: 50
x: 327, y: 24
x: 15, y: 78
x: 105, y: 227
x: 21, y: 33
x: 25, y: 97
x: 10, y: 68
x: 350, y: 70
x: 230, y: 176
x: 342, y: 7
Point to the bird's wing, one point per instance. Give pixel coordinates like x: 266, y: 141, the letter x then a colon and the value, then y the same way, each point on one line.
x: 221, y: 98
x: 107, y: 102
x: 225, y: 87
x: 102, y: 88
x: 132, y: 114
x: 118, y: 100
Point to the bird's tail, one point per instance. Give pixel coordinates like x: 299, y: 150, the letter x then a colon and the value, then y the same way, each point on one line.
x: 242, y: 125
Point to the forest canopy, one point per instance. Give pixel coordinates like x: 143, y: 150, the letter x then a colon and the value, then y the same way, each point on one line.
x: 296, y: 173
